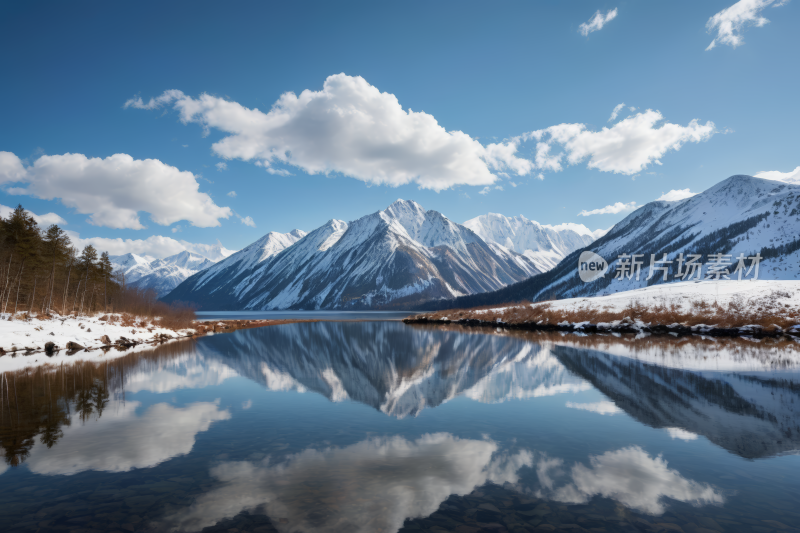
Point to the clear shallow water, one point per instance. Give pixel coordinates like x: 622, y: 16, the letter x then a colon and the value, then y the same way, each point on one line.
x: 379, y: 426
x: 308, y: 315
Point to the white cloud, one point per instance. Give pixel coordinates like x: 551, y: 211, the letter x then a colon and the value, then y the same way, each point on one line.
x: 676, y: 194
x: 618, y: 207
x: 11, y: 168
x: 512, y: 183
x: 221, y: 166
x: 793, y: 176
x: 615, y: 112
x: 373, y: 485
x: 603, y: 408
x: 177, y: 229
x: 121, y: 440
x: 247, y: 405
x: 731, y: 21
x: 580, y: 229
x: 597, y: 22
x: 114, y: 190
x: 232, y: 194
x: 155, y: 246
x: 629, y: 476
x: 485, y: 190
x: 248, y: 221
x: 627, y: 147
x: 682, y: 434
x: 44, y: 220
x: 349, y: 127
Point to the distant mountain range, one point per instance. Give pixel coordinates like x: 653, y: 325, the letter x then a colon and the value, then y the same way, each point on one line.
x: 160, y: 275
x: 544, y: 245
x: 741, y: 214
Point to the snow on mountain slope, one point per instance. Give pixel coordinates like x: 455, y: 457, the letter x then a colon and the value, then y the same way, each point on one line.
x: 397, y: 257
x: 161, y: 275
x: 741, y: 214
x: 544, y: 245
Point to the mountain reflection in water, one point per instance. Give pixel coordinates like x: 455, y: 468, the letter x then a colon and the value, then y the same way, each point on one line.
x: 118, y: 417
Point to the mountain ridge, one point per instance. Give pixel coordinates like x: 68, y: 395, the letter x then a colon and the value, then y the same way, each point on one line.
x: 741, y: 214
x: 400, y: 256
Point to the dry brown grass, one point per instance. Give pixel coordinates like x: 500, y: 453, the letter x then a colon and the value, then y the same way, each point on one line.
x: 767, y: 312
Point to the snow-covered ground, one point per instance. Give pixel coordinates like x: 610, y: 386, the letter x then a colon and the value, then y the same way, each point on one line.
x: 33, y: 334
x: 686, y: 293
x: 753, y: 298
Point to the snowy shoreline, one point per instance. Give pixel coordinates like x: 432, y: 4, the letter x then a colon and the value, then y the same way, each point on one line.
x: 83, y: 332
x: 707, y: 308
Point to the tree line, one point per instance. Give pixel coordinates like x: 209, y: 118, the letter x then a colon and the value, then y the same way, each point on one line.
x: 42, y: 273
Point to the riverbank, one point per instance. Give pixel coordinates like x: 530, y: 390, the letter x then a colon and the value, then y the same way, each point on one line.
x: 25, y: 334
x: 729, y: 308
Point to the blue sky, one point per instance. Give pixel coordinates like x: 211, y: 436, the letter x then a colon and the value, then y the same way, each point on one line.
x: 494, y: 71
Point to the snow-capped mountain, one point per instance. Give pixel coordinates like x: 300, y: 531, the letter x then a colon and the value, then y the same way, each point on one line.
x: 543, y: 244
x: 398, y: 257
x: 161, y: 275
x: 741, y: 214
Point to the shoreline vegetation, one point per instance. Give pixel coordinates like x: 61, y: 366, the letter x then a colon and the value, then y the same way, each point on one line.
x: 759, y: 309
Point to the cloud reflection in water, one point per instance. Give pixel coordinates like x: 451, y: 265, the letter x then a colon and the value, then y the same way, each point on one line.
x: 629, y: 476
x: 373, y: 485
x: 120, y: 440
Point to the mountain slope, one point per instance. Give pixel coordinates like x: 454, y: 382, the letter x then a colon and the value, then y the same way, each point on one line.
x: 398, y: 257
x: 545, y: 245
x: 741, y: 214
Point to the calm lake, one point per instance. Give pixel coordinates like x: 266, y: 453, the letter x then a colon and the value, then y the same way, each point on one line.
x: 384, y: 427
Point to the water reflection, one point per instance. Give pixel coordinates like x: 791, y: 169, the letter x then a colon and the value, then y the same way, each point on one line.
x: 353, y: 470
x: 122, y: 440
x: 391, y: 367
x: 629, y: 475
x: 751, y: 415
x: 373, y: 485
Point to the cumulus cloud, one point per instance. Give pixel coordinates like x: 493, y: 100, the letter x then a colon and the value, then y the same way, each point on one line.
x: 793, y: 176
x: 154, y: 246
x: 247, y: 404
x: 676, y: 194
x: 114, y: 190
x: 731, y: 21
x: 627, y: 147
x: 615, y: 112
x: 232, y: 194
x: 120, y: 440
x: 349, y: 127
x: 597, y: 22
x: 247, y: 221
x: 602, y: 408
x: 373, y: 485
x: 221, y: 166
x: 618, y: 207
x: 44, y: 220
x: 485, y: 190
x: 682, y: 434
x: 629, y: 476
